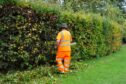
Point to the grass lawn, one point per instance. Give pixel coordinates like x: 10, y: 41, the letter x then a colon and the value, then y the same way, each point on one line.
x: 106, y: 70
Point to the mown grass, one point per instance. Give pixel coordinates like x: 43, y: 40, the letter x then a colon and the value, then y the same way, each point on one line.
x: 106, y: 70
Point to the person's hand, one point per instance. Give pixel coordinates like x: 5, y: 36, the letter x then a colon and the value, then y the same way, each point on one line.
x: 55, y: 47
x: 73, y: 43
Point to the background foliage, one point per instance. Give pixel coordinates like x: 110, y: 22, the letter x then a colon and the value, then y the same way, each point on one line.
x: 28, y: 31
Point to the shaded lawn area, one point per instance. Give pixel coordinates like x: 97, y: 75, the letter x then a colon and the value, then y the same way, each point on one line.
x: 105, y: 70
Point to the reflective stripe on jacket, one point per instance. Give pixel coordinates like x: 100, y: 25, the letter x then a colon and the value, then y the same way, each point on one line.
x: 65, y: 41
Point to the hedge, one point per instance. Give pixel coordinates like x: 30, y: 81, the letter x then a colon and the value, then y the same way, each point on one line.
x: 95, y: 35
x: 28, y: 35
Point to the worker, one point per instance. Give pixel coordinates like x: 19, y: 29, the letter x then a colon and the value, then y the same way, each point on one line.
x: 63, y: 56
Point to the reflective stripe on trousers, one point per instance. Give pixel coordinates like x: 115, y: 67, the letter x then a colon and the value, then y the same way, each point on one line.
x: 66, y: 64
x: 60, y: 64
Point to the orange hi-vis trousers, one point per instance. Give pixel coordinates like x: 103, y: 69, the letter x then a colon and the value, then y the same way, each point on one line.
x: 63, y: 60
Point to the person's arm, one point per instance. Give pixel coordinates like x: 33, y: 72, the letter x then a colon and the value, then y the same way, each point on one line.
x: 58, y: 39
x: 71, y: 39
x: 57, y: 42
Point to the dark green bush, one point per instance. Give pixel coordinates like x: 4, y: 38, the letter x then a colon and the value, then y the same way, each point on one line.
x: 28, y: 36
x: 124, y: 32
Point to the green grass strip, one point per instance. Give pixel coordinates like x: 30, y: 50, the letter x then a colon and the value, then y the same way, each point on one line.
x: 106, y: 70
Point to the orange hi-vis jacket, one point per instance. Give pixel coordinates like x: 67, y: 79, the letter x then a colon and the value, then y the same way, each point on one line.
x: 65, y: 39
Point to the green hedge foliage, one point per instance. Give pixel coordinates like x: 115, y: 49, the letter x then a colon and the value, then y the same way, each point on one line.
x: 96, y: 36
x: 28, y: 36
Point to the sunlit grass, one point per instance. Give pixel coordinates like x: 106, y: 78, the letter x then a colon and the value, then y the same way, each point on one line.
x: 106, y: 70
